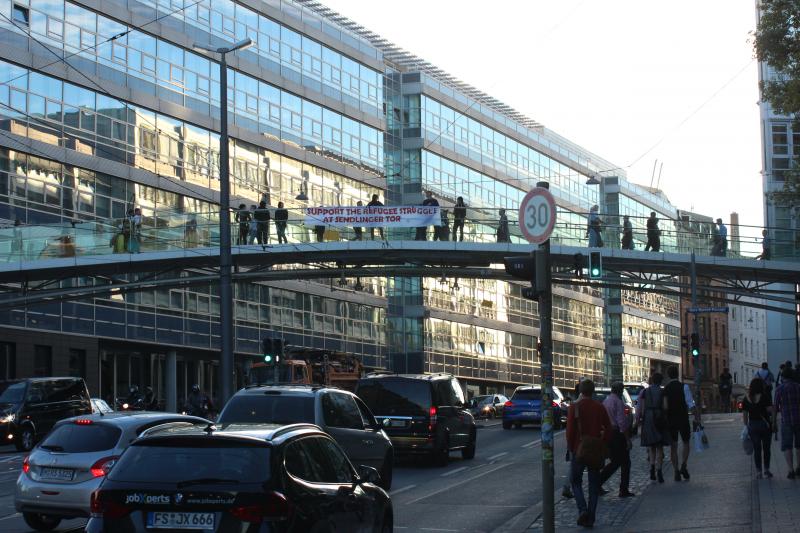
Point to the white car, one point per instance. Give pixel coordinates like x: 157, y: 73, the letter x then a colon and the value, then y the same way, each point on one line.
x: 61, y: 472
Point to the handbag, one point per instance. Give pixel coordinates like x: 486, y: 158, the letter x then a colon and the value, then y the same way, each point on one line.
x: 700, y: 440
x: 591, y: 450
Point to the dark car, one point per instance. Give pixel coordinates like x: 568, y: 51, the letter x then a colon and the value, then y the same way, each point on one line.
x: 421, y: 413
x: 487, y: 405
x: 338, y: 412
x: 29, y: 408
x: 268, y: 478
x: 525, y: 407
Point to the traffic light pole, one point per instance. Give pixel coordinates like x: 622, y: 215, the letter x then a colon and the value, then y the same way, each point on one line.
x: 698, y: 373
x: 544, y: 289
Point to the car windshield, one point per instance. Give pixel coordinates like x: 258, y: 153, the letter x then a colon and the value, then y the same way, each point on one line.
x: 601, y: 395
x: 181, y: 463
x: 267, y: 408
x: 480, y: 400
x: 12, y: 392
x: 81, y: 438
x: 527, y: 394
x: 634, y: 390
x: 404, y: 397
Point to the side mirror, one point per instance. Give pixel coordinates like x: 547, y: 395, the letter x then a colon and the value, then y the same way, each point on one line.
x: 367, y: 474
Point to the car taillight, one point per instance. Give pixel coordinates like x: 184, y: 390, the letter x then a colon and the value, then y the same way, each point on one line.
x: 84, y: 422
x: 432, y: 419
x: 26, y: 465
x: 102, y: 466
x: 102, y: 508
x: 275, y: 507
x: 555, y: 404
x: 627, y: 410
x: 509, y: 403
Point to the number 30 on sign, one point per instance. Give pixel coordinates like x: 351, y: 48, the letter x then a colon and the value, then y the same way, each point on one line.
x: 537, y: 215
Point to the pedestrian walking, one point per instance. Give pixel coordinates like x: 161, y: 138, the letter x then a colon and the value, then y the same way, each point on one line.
x: 566, y: 491
x: 252, y: 232
x: 375, y: 203
x: 588, y: 430
x: 787, y: 410
x: 243, y: 217
x: 359, y: 231
x: 653, y: 421
x: 766, y: 247
x: 678, y: 422
x: 503, y: 232
x: 422, y: 231
x: 653, y: 234
x: 459, y: 217
x: 620, y: 445
x: 262, y: 217
x: 594, y: 227
x: 627, y: 233
x: 765, y: 374
x: 758, y: 417
x: 722, y: 249
x: 725, y: 389
x: 281, y: 218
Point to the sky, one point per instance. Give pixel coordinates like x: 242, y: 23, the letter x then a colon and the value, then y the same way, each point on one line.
x: 641, y: 83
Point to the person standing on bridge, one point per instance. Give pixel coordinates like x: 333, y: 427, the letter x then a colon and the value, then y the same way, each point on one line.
x: 594, y: 228
x: 422, y: 231
x: 281, y: 218
x: 627, y: 233
x: 319, y: 229
x: 375, y: 203
x: 653, y: 234
x: 503, y: 232
x: 359, y: 231
x: 587, y: 423
x: 723, y: 238
x: 787, y: 405
x: 261, y: 216
x: 459, y: 217
x: 766, y: 247
x: 243, y: 217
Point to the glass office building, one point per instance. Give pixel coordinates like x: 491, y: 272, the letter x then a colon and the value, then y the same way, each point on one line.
x: 322, y: 110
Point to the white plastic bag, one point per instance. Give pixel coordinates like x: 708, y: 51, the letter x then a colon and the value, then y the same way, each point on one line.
x: 700, y: 440
x: 747, y: 444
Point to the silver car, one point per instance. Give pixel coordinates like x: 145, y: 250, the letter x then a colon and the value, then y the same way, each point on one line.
x: 59, y: 475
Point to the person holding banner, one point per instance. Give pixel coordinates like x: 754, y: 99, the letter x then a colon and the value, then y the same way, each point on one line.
x: 375, y: 203
x: 422, y: 231
x: 358, y: 230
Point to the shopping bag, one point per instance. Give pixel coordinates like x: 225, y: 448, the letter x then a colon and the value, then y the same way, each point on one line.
x: 700, y: 440
x: 747, y: 444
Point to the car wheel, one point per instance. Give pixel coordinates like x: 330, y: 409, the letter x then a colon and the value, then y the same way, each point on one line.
x: 506, y: 425
x: 386, y: 472
x: 469, y: 451
x: 490, y: 415
x: 41, y: 522
x: 442, y: 456
x: 518, y: 425
x: 26, y: 440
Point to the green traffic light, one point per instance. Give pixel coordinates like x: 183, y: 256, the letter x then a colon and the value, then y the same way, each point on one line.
x: 267, y: 358
x: 596, y: 272
x: 695, y: 352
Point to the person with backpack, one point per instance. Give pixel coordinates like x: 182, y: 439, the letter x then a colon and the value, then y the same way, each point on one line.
x: 678, y: 422
x: 653, y: 421
x: 588, y: 433
x: 757, y: 414
x: 766, y: 375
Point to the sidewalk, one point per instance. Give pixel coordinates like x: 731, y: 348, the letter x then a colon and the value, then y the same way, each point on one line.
x: 722, y: 494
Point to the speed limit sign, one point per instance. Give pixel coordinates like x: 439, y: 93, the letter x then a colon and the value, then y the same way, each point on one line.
x: 537, y: 215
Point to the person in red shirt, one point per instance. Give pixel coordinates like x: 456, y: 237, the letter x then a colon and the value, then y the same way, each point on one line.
x: 594, y: 422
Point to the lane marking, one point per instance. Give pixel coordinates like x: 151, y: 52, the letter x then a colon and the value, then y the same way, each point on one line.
x: 495, y: 456
x: 15, y: 515
x: 450, y: 473
x: 398, y: 491
x: 457, y: 483
x: 534, y: 443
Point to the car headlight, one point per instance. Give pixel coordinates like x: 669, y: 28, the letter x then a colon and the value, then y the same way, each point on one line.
x: 6, y: 419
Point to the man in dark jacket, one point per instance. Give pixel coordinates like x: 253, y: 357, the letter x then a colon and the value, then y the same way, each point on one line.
x: 653, y: 234
x: 261, y: 217
x: 281, y: 216
x: 375, y: 203
x: 459, y: 217
x: 422, y: 232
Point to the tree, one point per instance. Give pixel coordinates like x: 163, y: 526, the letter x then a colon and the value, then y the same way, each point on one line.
x: 777, y: 44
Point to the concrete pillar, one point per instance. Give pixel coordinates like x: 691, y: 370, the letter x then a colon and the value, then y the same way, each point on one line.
x: 171, y: 383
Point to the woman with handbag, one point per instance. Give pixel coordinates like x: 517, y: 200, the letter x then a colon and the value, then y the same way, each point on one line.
x: 758, y: 418
x: 588, y: 435
x: 653, y: 421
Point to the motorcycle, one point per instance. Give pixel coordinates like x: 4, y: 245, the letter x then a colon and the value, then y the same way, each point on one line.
x: 126, y: 404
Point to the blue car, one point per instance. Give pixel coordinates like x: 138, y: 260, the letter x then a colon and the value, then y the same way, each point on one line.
x: 525, y: 407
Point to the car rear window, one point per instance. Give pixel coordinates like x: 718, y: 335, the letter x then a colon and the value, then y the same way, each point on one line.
x: 527, y: 394
x: 403, y: 397
x: 283, y: 409
x: 634, y: 390
x: 173, y: 464
x: 75, y: 438
x: 601, y: 395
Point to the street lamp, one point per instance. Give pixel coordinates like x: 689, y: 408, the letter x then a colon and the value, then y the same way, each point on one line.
x: 225, y: 289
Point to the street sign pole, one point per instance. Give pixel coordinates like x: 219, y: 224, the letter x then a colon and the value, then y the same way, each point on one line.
x: 698, y: 373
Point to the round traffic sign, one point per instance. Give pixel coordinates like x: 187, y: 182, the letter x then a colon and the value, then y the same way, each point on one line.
x: 537, y: 215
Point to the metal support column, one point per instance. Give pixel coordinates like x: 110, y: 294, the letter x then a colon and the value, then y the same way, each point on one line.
x: 698, y: 372
x: 171, y: 382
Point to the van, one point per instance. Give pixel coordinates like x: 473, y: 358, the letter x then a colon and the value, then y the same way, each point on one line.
x: 29, y: 408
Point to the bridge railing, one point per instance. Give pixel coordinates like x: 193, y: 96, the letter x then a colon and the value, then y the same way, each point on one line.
x: 171, y: 230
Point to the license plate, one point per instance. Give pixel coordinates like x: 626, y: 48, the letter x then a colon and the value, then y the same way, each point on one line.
x: 530, y: 413
x: 397, y: 423
x: 60, y: 474
x: 171, y: 520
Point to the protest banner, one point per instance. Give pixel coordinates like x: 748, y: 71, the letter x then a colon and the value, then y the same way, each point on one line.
x: 397, y: 216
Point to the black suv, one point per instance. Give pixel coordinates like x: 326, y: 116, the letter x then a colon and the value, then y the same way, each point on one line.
x: 268, y: 478
x: 29, y: 408
x: 421, y: 413
x: 338, y: 412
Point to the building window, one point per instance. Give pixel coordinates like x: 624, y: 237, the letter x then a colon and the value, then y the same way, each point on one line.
x: 77, y: 363
x: 20, y: 14
x: 42, y: 360
x: 8, y: 360
x: 733, y: 344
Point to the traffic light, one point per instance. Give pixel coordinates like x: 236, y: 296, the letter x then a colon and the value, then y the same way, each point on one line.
x: 595, y: 265
x: 523, y: 267
x: 273, y: 350
x: 695, y: 343
x: 684, y: 343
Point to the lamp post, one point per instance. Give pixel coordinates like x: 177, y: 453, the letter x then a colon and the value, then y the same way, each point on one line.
x: 225, y: 289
